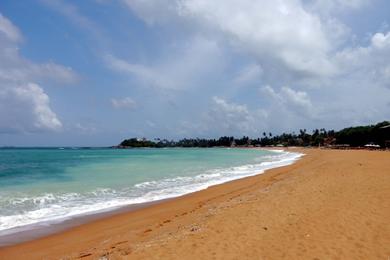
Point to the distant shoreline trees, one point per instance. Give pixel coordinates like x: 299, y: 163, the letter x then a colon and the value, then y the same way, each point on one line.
x: 359, y: 136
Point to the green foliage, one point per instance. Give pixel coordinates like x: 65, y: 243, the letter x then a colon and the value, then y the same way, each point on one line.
x: 362, y: 135
x: 134, y: 142
x: 352, y: 136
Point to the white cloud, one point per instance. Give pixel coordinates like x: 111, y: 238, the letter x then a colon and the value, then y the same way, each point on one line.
x: 25, y: 107
x: 145, y: 74
x: 380, y: 40
x: 232, y: 110
x: 15, y: 68
x: 222, y: 118
x: 296, y: 98
x: 153, y: 11
x: 294, y: 43
x: 297, y: 102
x: 369, y: 64
x: 181, y: 68
x: 18, y: 70
x: 226, y: 118
x: 126, y: 102
x: 290, y: 40
x: 10, y: 31
x: 282, y: 30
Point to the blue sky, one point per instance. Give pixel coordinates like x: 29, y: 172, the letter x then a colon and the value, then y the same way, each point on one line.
x: 93, y: 72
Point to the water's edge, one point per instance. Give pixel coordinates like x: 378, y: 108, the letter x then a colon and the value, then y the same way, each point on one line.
x: 34, y: 231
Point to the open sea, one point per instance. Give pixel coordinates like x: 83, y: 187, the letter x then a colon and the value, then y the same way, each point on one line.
x: 49, y: 185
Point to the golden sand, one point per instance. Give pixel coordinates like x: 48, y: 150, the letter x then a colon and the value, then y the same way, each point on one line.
x: 331, y: 204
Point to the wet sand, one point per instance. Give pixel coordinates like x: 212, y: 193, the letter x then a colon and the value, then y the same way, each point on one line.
x: 331, y: 204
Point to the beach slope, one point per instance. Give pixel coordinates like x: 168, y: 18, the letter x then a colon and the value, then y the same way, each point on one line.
x: 331, y: 204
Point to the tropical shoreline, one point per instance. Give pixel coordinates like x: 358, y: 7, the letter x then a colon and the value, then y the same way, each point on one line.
x: 330, y: 203
x: 19, y: 234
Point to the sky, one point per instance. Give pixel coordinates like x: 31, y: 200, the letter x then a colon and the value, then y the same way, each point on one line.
x: 93, y: 72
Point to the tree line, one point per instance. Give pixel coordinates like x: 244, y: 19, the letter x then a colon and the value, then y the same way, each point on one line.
x: 358, y: 136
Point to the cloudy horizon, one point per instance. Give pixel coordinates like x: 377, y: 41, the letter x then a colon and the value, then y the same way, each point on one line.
x: 94, y: 72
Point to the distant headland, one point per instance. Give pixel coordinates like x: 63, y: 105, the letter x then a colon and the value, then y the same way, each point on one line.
x: 368, y: 136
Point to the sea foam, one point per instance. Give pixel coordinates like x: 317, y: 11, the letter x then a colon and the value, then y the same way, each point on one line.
x: 20, y: 213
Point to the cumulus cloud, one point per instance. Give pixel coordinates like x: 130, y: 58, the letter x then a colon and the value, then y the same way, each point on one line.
x: 126, y: 102
x: 227, y: 118
x: 381, y: 41
x: 300, y: 44
x: 25, y: 107
x: 279, y: 30
x: 297, y: 102
x: 370, y: 63
x: 210, y: 49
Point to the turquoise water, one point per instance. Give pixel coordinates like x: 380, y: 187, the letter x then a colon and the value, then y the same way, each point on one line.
x: 51, y: 185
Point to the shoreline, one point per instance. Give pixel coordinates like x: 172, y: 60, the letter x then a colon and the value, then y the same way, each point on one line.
x: 328, y: 203
x: 42, y: 229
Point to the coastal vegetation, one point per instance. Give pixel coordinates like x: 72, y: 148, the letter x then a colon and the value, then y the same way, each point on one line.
x: 372, y: 135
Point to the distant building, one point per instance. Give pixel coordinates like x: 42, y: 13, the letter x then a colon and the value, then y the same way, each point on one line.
x: 329, y: 141
x: 372, y: 146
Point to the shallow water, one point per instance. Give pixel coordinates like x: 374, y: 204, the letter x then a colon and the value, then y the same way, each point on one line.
x: 52, y: 185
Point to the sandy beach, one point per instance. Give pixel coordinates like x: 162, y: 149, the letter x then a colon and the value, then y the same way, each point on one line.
x: 331, y: 204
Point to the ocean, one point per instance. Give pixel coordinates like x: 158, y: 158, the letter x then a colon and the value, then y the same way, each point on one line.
x: 41, y: 186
